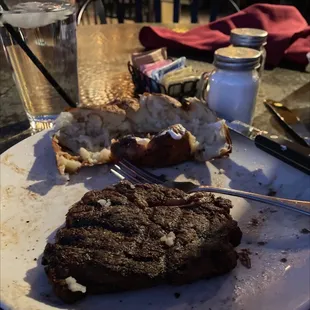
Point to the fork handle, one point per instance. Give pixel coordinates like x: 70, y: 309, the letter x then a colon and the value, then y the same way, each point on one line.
x: 293, y: 205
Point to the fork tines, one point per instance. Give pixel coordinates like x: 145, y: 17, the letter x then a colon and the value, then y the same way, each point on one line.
x: 126, y: 169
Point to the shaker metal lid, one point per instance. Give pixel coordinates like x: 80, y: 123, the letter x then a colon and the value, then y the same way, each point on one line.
x: 237, y: 58
x: 251, y: 37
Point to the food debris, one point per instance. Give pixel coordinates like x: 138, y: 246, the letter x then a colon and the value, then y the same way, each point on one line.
x: 271, y: 192
x: 262, y: 242
x: 305, y: 231
x: 244, y: 257
x: 104, y: 202
x: 283, y: 260
x: 168, y: 239
x: 253, y: 221
x: 27, y: 221
x: 177, y: 295
x: 268, y: 210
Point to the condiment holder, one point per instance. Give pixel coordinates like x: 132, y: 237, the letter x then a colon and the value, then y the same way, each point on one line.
x: 144, y: 83
x: 251, y: 38
x: 231, y: 88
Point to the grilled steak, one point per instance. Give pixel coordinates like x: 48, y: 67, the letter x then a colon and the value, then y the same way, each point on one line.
x: 130, y: 237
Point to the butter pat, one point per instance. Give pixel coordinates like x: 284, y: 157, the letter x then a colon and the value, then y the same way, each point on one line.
x: 105, y: 202
x: 73, y: 286
x: 168, y: 239
x: 176, y: 132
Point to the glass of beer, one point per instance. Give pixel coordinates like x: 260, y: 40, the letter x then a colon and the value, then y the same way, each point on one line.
x: 49, y: 30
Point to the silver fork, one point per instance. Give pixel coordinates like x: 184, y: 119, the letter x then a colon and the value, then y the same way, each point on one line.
x: 136, y: 175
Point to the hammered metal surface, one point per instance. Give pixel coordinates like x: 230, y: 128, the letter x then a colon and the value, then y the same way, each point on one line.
x: 103, y: 53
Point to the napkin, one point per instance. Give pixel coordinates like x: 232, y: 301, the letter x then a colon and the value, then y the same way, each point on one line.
x: 288, y: 39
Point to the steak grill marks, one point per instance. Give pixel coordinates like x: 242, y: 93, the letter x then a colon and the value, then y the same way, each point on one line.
x: 114, y: 245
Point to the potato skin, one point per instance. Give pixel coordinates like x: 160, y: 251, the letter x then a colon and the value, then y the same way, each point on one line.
x: 97, y: 129
x: 161, y: 151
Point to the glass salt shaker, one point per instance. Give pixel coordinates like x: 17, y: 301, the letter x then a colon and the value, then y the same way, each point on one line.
x: 252, y: 38
x: 233, y: 85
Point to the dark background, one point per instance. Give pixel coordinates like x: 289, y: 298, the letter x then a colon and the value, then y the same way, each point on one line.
x: 226, y: 8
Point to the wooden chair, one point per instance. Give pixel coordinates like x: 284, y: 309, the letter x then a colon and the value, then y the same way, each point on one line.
x: 139, y: 11
x: 102, y: 11
x: 215, y: 7
x: 91, y: 10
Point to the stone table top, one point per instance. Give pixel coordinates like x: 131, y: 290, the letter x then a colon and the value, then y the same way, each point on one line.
x: 103, y: 52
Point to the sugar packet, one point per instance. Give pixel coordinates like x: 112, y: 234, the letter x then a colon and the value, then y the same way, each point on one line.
x: 148, y: 68
x: 176, y: 75
x: 308, y: 66
x: 184, y: 85
x: 143, y: 58
x: 183, y: 79
x: 158, y: 74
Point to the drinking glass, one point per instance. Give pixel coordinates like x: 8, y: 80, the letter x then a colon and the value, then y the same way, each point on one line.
x: 49, y: 30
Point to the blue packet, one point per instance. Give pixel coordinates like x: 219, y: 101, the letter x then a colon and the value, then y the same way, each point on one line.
x: 158, y: 74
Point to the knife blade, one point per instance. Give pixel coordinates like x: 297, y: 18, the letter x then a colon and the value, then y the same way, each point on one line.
x: 289, y: 120
x: 289, y: 152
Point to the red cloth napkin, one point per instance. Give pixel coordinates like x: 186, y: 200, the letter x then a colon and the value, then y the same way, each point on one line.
x: 288, y: 33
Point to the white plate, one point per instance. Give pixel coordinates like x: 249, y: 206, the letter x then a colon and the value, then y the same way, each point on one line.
x: 34, y: 202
